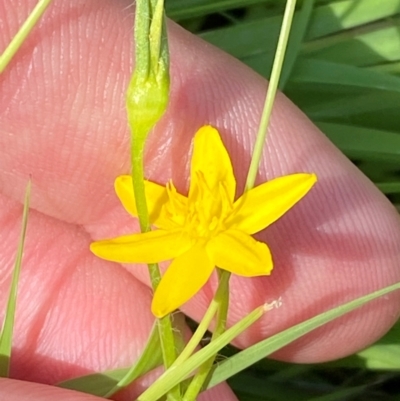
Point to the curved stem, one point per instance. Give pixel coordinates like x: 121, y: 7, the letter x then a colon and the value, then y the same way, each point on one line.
x: 23, y: 32
x: 222, y: 300
x: 205, y: 322
x: 165, y: 324
x: 271, y: 93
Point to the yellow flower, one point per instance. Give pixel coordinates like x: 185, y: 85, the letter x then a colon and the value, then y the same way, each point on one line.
x: 205, y: 229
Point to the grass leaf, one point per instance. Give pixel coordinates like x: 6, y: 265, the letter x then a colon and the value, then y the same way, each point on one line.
x: 341, y: 394
x: 179, y: 373
x: 107, y: 383
x: 322, y: 72
x: 364, y: 143
x: 180, y: 9
x: 253, y: 354
x: 8, y: 324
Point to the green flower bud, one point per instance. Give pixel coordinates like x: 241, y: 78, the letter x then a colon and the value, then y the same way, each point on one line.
x: 148, y: 90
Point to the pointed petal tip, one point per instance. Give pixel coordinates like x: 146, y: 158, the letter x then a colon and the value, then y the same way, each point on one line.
x: 159, y: 311
x: 94, y: 247
x: 122, y: 182
x: 206, y: 130
x: 100, y: 249
x: 209, y: 135
x: 205, y: 135
x: 310, y: 179
x: 123, y: 178
x: 313, y: 177
x: 307, y: 177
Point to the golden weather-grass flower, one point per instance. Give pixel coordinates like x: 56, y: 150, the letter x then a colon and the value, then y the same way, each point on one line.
x: 205, y: 229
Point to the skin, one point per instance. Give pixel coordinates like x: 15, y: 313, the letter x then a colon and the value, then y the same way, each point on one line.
x: 63, y: 124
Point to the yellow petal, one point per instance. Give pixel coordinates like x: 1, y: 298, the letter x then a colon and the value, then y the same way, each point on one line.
x: 156, y: 196
x: 261, y: 206
x: 240, y: 254
x: 152, y: 247
x: 212, y: 161
x: 183, y: 279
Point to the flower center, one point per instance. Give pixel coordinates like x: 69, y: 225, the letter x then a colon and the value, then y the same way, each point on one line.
x: 207, y: 208
x: 202, y: 214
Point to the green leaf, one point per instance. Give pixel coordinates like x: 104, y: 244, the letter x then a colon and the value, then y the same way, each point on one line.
x: 8, y: 324
x: 385, y: 353
x: 341, y: 394
x: 388, y: 68
x: 251, y: 38
x: 253, y: 354
x: 320, y: 72
x: 374, y: 44
x: 359, y: 142
x: 178, y: 373
x: 340, y: 106
x: 263, y: 387
x: 297, y: 33
x: 382, y: 357
x: 107, y: 383
x: 97, y: 384
x: 179, y: 9
x: 389, y: 187
x: 339, y: 15
x: 247, y: 38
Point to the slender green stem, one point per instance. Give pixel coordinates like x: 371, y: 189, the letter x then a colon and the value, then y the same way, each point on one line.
x: 164, y: 324
x: 165, y: 328
x: 23, y: 32
x: 147, y: 99
x: 141, y: 204
x: 171, y: 377
x: 222, y: 300
x: 271, y: 93
x: 298, y: 32
x: 205, y: 322
x: 222, y: 296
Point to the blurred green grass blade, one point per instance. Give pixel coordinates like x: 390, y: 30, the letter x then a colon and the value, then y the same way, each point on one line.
x: 179, y: 373
x: 321, y: 72
x: 374, y: 44
x: 150, y: 359
x: 263, y: 387
x: 253, y: 354
x: 389, y: 187
x: 297, y: 34
x: 108, y: 383
x: 342, y: 394
x: 336, y: 16
x: 8, y: 324
x: 246, y: 38
x: 361, y: 142
x: 392, y: 336
x: 384, y: 120
x: 96, y: 384
x: 250, y: 38
x: 375, y: 356
x: 385, y: 353
x: 334, y: 106
x: 181, y: 9
x: 381, y: 357
x: 388, y: 68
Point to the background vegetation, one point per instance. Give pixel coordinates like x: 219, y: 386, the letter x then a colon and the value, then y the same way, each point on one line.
x: 343, y: 70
